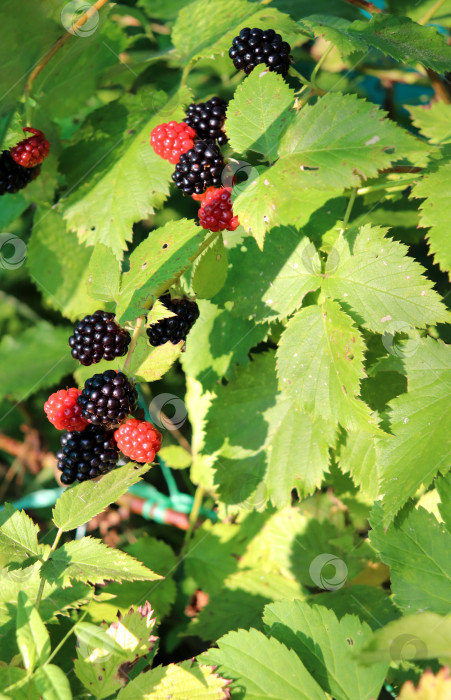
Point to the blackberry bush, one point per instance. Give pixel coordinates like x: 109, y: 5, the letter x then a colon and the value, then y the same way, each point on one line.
x: 86, y: 454
x: 108, y: 398
x: 199, y: 168
x: 174, y: 328
x: 98, y: 336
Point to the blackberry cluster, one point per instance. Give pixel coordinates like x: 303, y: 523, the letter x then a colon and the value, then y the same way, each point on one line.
x: 14, y: 177
x: 207, y: 119
x: 254, y: 46
x: 177, y: 327
x: 107, y: 398
x: 86, y: 454
x: 199, y: 168
x: 98, y: 336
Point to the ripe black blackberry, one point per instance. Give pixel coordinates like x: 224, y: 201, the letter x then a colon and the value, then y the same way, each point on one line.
x: 199, y: 168
x: 175, y: 328
x: 254, y: 46
x: 13, y: 176
x: 98, y: 336
x: 207, y: 119
x: 86, y: 454
x: 107, y: 398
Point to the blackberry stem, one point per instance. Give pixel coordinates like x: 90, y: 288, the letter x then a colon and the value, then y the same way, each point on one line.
x: 60, y: 42
x: 136, y: 334
x: 52, y: 549
x: 430, y: 13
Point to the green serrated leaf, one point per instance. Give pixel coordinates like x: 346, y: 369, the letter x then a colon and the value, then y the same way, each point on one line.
x: 18, y: 535
x: 155, y: 263
x: 260, y: 128
x: 433, y: 120
x: 320, y: 365
x: 52, y: 683
x: 82, y: 502
x: 127, y: 179
x: 420, y: 443
x: 298, y: 455
x: 443, y: 486
x: 434, y: 188
x: 175, y: 457
x: 93, y: 637
x: 217, y: 343
x: 277, y: 280
x: 383, y: 288
x: 90, y: 560
x: 397, y: 37
x: 32, y: 637
x: 319, y: 150
x: 150, y: 364
x: 263, y: 668
x: 358, y: 458
x: 58, y: 264
x: 424, y: 636
x: 177, y: 681
x: 210, y: 272
x: 41, y: 358
x: 416, y: 549
x: 327, y: 647
x: 104, y: 273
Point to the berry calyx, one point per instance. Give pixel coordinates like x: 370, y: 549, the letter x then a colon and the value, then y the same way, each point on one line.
x: 216, y: 212
x: 138, y: 440
x: 98, y: 336
x: 32, y: 150
x: 14, y: 177
x: 171, y: 140
x: 254, y: 46
x: 63, y: 411
x: 207, y: 118
x: 87, y: 454
x: 199, y: 168
x: 174, y: 328
x: 108, y: 398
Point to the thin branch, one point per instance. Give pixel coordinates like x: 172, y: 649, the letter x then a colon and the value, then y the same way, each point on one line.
x: 431, y: 12
x: 440, y: 88
x: 135, y: 337
x: 60, y: 42
x: 364, y: 5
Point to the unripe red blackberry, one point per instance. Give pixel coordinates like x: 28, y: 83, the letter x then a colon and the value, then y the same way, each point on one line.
x: 216, y: 213
x: 14, y: 177
x: 86, y: 454
x: 108, y: 398
x: 175, y: 328
x: 199, y: 168
x: 171, y: 140
x: 63, y: 411
x: 138, y: 440
x: 254, y: 46
x: 98, y: 336
x: 207, y: 119
x: 32, y: 150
